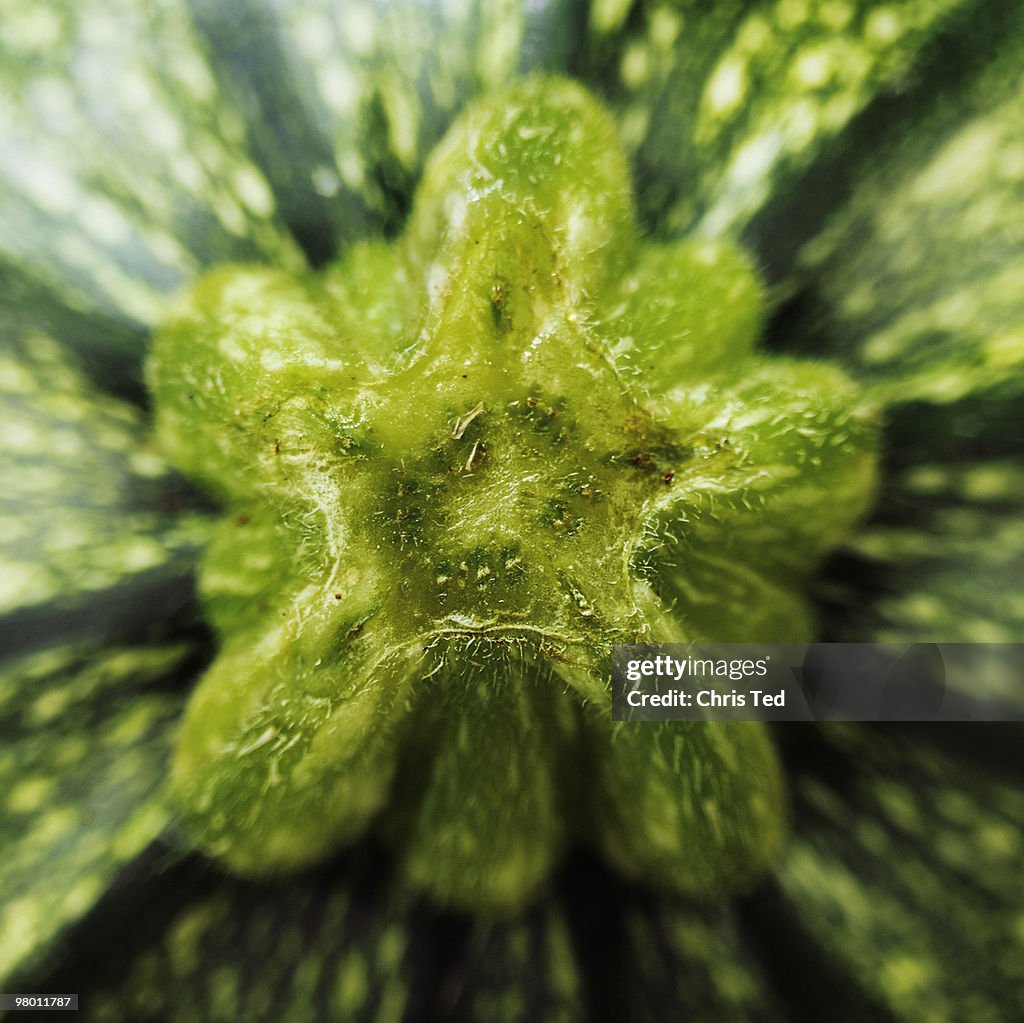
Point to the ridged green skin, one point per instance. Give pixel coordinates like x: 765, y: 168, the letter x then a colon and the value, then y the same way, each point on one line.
x: 143, y: 142
x: 459, y: 467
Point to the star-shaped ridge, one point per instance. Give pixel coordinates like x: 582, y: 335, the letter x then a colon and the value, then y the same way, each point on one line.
x: 457, y: 467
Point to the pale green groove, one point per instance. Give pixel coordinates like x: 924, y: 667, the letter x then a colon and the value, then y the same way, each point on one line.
x: 907, y: 873
x: 794, y: 76
x: 80, y: 511
x: 487, y: 982
x: 82, y: 769
x: 684, y: 955
x: 302, y: 952
x: 336, y: 945
x: 909, y: 877
x: 453, y: 466
x: 123, y: 171
x: 917, y: 277
x: 724, y: 105
x: 952, y: 573
x: 110, y: 347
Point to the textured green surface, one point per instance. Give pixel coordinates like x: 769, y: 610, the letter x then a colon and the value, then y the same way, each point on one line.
x: 123, y: 169
x: 695, y: 957
x: 724, y: 106
x: 82, y: 765
x: 89, y: 511
x: 707, y: 798
x: 946, y: 562
x: 439, y: 470
x: 303, y: 953
x: 349, y: 99
x: 908, y: 873
x: 894, y: 153
x: 329, y: 945
x: 967, y: 565
x: 917, y: 276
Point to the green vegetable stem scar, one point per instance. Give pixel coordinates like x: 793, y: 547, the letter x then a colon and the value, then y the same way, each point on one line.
x: 456, y: 468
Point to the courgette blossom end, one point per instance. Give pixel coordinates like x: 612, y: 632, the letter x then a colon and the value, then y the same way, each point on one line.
x: 455, y: 468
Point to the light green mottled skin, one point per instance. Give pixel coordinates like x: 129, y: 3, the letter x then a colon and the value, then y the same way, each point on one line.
x: 458, y: 467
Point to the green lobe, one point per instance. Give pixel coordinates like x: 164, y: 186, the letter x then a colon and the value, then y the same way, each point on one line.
x: 771, y: 444
x: 684, y: 311
x: 484, y: 813
x: 693, y: 807
x: 286, y: 749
